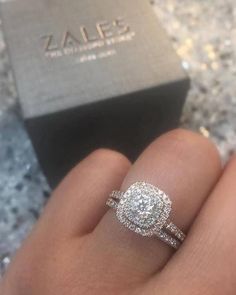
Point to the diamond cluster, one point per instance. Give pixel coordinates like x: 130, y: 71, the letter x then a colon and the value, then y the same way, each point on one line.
x: 144, y: 208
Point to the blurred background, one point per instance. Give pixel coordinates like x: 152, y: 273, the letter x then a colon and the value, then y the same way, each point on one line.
x: 203, y: 32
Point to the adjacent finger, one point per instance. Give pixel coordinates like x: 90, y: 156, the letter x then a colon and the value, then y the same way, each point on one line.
x: 78, y: 203
x: 209, y: 254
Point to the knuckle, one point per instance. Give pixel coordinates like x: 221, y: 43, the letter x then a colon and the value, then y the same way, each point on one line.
x: 186, y: 142
x: 108, y: 156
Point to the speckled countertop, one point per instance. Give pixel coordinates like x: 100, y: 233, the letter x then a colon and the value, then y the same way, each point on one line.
x: 204, y: 35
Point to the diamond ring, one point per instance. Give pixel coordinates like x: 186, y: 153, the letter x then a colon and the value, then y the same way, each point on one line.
x: 145, y: 209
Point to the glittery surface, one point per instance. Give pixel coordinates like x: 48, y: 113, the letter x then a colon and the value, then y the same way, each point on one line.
x: 204, y: 35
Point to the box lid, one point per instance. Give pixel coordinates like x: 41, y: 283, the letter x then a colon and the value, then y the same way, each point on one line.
x: 70, y: 53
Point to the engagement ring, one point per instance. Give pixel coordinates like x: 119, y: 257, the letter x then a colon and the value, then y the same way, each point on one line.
x: 145, y: 209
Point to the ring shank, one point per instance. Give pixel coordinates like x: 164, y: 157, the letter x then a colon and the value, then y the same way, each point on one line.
x: 174, y: 230
x: 168, y: 239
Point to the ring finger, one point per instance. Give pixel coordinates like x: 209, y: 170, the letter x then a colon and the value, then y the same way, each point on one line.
x: 184, y: 165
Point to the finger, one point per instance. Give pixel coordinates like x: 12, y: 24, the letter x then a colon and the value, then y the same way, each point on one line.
x: 78, y: 203
x: 178, y: 163
x: 209, y: 253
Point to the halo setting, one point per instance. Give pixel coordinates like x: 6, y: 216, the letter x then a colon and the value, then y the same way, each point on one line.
x: 145, y: 209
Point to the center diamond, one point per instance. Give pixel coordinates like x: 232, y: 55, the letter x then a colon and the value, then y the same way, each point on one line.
x: 143, y: 209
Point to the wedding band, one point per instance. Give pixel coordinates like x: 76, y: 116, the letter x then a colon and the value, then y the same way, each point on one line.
x: 145, y: 209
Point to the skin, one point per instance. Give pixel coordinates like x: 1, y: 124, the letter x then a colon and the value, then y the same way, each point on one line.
x: 79, y: 247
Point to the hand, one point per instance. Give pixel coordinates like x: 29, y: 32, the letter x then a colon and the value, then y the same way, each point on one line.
x: 79, y: 247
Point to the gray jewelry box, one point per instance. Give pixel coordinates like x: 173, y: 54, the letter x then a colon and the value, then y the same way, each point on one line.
x: 90, y: 74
